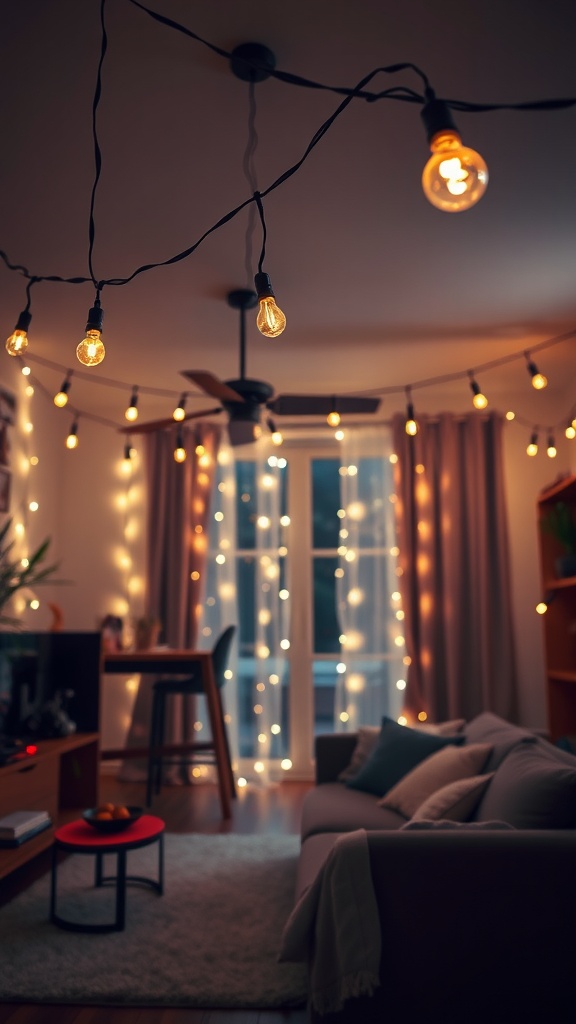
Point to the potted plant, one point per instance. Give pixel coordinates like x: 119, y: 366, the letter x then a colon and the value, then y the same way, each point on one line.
x: 16, y: 574
x: 560, y: 523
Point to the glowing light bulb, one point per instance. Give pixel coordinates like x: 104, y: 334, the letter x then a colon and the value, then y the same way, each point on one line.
x: 455, y: 177
x: 541, y: 607
x: 411, y: 427
x: 333, y: 418
x: 61, y: 398
x: 270, y: 319
x: 551, y: 449
x: 479, y: 400
x: 179, y: 451
x: 131, y: 413
x: 570, y: 431
x: 72, y: 439
x: 91, y: 349
x: 532, y: 448
x: 277, y: 438
x: 179, y: 412
x: 539, y: 381
x: 18, y: 340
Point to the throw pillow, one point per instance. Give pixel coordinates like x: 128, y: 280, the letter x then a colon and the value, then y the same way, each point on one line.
x: 446, y: 765
x: 532, y: 789
x: 368, y: 738
x: 398, y: 750
x: 455, y: 802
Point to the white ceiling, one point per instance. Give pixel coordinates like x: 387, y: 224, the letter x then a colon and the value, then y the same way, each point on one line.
x: 380, y: 289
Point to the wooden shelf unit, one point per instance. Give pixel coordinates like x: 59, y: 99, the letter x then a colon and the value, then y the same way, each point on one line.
x: 559, y: 621
x: 61, y: 778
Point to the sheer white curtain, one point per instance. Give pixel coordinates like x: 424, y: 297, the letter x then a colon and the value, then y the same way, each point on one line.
x: 245, y: 586
x: 372, y: 673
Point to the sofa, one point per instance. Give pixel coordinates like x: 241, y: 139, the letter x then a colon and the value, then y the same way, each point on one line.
x: 437, y: 877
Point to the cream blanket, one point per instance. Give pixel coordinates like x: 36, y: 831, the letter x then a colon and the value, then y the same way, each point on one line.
x: 335, y: 927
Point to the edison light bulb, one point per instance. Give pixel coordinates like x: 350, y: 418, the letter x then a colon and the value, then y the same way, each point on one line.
x: 18, y: 340
x: 479, y: 400
x: 455, y: 177
x: 179, y: 455
x: 91, y: 349
x: 532, y: 448
x: 72, y: 439
x: 333, y: 418
x: 270, y: 320
x: 277, y: 437
x: 60, y: 399
x: 16, y: 343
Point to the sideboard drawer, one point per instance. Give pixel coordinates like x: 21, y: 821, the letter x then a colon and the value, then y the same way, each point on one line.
x: 32, y: 787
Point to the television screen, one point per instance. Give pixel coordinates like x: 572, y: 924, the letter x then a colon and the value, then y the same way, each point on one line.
x: 39, y: 668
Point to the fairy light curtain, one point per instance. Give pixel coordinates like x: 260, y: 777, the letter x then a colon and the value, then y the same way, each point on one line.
x: 179, y: 501
x: 372, y: 673
x: 246, y: 584
x: 454, y: 561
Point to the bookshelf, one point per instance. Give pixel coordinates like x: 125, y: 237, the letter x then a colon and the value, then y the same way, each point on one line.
x: 559, y: 621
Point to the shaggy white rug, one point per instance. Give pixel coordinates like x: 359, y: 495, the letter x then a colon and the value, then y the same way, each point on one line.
x: 211, y: 940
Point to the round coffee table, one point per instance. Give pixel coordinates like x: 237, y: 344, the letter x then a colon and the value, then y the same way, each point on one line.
x: 80, y: 837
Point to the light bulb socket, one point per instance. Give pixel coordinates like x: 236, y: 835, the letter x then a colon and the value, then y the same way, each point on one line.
x: 475, y: 387
x: 437, y: 117
x: 263, y: 286
x: 409, y: 411
x: 127, y: 452
x: 23, y: 321
x: 95, y: 317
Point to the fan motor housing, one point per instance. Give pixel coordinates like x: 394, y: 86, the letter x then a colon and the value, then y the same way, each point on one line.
x: 254, y: 392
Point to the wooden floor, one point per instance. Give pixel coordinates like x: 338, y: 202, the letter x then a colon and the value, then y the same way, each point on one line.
x: 184, y: 809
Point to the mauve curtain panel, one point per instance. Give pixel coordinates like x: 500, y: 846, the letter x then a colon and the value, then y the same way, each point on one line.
x: 455, y: 570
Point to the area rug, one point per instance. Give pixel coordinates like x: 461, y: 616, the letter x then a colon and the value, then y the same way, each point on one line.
x: 210, y: 940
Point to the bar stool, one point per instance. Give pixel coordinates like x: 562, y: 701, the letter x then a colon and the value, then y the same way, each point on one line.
x: 204, y: 750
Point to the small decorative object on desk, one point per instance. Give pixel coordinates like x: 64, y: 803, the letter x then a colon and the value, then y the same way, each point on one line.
x: 147, y: 633
x: 110, y: 818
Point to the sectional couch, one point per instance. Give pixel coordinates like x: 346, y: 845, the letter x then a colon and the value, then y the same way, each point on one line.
x: 437, y: 877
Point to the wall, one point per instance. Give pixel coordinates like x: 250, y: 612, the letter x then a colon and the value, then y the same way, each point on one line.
x: 94, y: 515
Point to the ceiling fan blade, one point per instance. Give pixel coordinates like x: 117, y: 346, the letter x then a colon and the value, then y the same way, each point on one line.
x: 321, y: 405
x: 211, y: 385
x: 148, y: 428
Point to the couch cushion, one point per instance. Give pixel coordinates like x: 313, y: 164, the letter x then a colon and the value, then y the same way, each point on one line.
x: 532, y: 788
x: 446, y: 765
x: 332, y: 807
x: 454, y: 802
x: 398, y: 750
x: 490, y: 728
x: 445, y: 825
x: 368, y: 738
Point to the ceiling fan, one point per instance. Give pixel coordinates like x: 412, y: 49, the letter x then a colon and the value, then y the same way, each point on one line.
x: 245, y: 400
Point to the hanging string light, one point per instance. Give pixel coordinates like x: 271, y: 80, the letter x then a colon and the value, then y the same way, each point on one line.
x: 131, y: 413
x: 17, y: 342
x: 91, y: 349
x: 61, y: 397
x: 479, y: 400
x: 532, y: 448
x: 276, y: 435
x: 72, y: 439
x: 179, y: 450
x: 551, y: 450
x: 127, y: 452
x: 180, y: 410
x: 455, y: 177
x: 270, y: 319
x: 333, y: 418
x: 539, y: 381
x: 411, y: 426
x: 570, y: 430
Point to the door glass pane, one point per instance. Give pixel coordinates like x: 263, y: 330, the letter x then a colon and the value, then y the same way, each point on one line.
x: 326, y: 628
x: 325, y: 503
x: 325, y: 677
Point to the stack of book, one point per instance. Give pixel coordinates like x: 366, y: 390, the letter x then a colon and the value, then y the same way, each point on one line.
x: 19, y: 826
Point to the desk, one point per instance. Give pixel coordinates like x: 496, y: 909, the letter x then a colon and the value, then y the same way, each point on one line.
x: 162, y: 661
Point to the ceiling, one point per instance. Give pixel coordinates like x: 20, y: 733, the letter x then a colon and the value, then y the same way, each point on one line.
x: 380, y: 289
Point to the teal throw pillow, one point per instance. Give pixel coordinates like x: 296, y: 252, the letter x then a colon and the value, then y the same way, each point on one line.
x: 398, y: 751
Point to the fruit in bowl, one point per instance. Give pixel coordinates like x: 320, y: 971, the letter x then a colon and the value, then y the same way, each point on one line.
x: 110, y: 817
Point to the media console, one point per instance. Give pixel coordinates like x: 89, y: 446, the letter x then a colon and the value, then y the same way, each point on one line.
x: 61, y: 778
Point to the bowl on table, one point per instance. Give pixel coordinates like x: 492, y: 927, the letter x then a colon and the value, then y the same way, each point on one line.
x: 94, y: 817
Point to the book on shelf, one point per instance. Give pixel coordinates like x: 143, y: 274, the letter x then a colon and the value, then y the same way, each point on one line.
x: 23, y: 837
x: 20, y: 823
